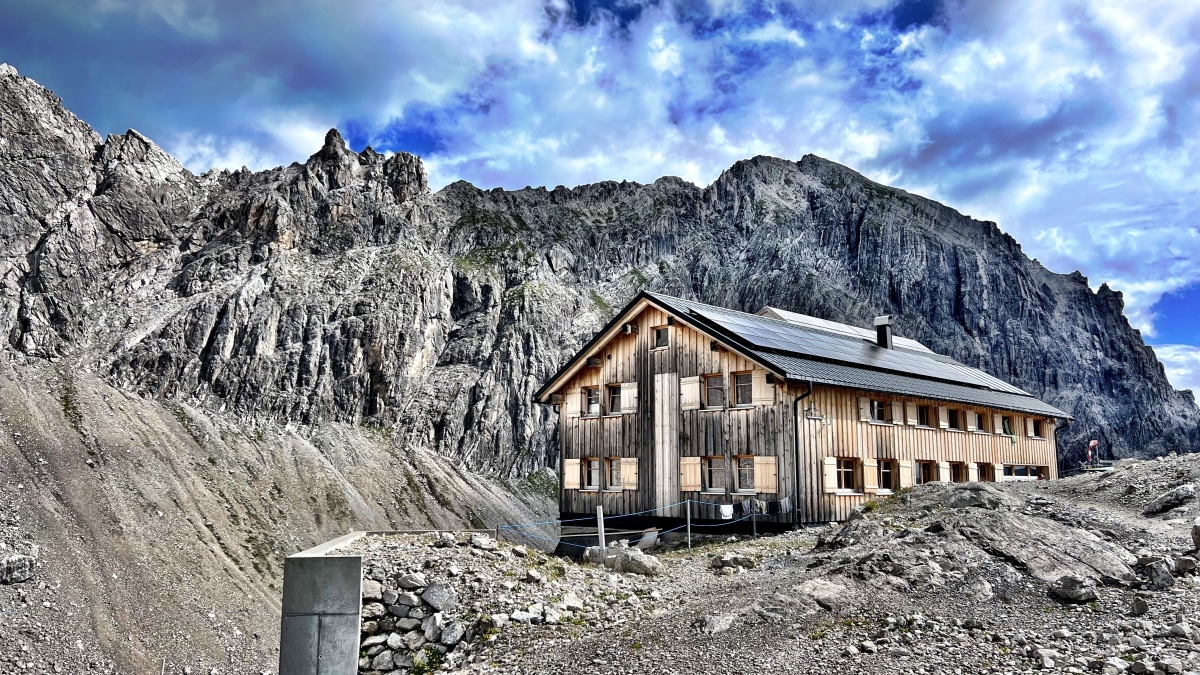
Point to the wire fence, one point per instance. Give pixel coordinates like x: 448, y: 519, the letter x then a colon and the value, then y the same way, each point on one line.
x: 520, y: 529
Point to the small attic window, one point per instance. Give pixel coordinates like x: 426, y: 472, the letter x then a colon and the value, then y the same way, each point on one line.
x: 662, y: 338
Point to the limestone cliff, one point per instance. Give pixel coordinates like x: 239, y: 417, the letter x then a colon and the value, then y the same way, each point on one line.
x: 342, y: 289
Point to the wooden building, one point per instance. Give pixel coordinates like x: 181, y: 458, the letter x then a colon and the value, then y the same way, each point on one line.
x: 796, y: 416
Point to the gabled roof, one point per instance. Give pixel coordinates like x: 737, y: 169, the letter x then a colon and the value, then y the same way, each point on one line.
x: 802, y: 348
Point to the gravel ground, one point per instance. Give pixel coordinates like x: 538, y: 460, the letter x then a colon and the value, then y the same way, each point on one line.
x: 945, y: 579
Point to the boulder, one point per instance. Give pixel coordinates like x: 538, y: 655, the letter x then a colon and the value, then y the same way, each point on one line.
x: 432, y: 626
x: 373, y: 610
x: 1139, y: 607
x: 16, y: 568
x: 374, y: 640
x: 372, y: 590
x: 441, y: 596
x: 1074, y: 589
x: 453, y: 633
x: 383, y: 661
x: 1158, y: 575
x: 828, y: 594
x: 633, y: 561
x: 1170, y: 499
x: 484, y: 542
x: 408, y: 599
x: 711, y: 624
x: 413, y: 581
x: 389, y: 596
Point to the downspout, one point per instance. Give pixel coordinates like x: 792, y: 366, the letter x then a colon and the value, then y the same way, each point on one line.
x: 796, y: 445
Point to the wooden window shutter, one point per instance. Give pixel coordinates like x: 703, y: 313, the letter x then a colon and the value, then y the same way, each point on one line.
x: 897, y: 413
x: 972, y: 472
x: 870, y: 469
x: 943, y: 472
x: 689, y: 474
x: 629, y: 397
x: 864, y: 408
x: 970, y: 415
x: 572, y: 402
x: 906, y: 473
x: 629, y: 473
x: 910, y: 411
x: 998, y: 424
x: 689, y: 393
x: 829, y: 475
x: 766, y: 474
x: 943, y: 417
x: 761, y: 393
x: 1029, y: 426
x: 570, y: 477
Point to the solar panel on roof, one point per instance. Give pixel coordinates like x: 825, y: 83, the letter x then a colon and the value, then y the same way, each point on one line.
x: 794, y: 337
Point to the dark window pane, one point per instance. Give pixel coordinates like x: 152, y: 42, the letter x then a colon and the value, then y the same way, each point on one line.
x: 661, y: 337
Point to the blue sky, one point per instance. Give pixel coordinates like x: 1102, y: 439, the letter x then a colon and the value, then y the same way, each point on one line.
x: 1072, y: 124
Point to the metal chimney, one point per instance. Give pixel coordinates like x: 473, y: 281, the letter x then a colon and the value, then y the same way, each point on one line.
x: 883, y: 331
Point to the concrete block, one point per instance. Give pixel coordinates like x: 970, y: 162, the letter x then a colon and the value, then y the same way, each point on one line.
x: 298, y: 645
x: 339, y: 644
x: 322, y: 585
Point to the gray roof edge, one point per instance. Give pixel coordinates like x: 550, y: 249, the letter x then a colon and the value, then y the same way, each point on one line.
x: 952, y: 393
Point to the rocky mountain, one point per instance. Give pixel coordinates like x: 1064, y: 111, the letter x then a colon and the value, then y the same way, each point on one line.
x: 207, y: 372
x: 343, y: 290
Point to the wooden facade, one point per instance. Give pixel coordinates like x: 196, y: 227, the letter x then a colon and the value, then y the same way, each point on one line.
x: 649, y: 438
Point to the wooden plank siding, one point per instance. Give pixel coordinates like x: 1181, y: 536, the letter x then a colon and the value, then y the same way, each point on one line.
x: 831, y: 428
x: 659, y: 432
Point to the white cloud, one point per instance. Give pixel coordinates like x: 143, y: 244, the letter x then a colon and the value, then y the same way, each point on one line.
x: 1182, y: 363
x: 1072, y: 124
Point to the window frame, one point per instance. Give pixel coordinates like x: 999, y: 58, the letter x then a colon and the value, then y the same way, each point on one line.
x: 612, y: 410
x: 891, y: 467
x: 1007, y: 424
x: 959, y: 468
x: 919, y: 467
x: 609, y: 464
x: 706, y: 474
x: 884, y: 408
x: 586, y: 464
x: 980, y: 427
x: 738, y: 387
x: 928, y: 414
x: 585, y: 409
x: 955, y: 420
x: 847, y: 465
x: 706, y: 389
x: 661, y: 330
x: 1039, y: 428
x: 737, y: 474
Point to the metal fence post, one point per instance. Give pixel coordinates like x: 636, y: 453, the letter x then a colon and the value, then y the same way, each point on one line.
x: 600, y: 527
x: 689, y: 523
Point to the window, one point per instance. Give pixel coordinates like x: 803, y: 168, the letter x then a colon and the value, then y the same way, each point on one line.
x: 1006, y: 423
x: 662, y: 337
x: 958, y: 472
x: 845, y: 474
x: 1021, y: 471
x: 925, y: 472
x: 956, y: 419
x: 714, y: 391
x: 613, y: 477
x: 745, y: 473
x: 614, y: 399
x: 980, y: 427
x: 987, y: 473
x: 1037, y: 429
x: 591, y: 401
x: 1008, y: 470
x: 743, y: 389
x: 591, y: 474
x: 923, y: 413
x: 879, y: 411
x: 714, y: 474
x: 887, y: 474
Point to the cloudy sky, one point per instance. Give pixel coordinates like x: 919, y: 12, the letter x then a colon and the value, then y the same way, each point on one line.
x: 1071, y: 124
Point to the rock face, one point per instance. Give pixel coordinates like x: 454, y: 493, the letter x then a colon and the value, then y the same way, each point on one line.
x: 341, y: 289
